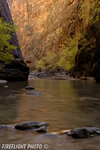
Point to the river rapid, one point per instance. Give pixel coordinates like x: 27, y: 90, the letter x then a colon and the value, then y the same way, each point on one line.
x: 64, y: 104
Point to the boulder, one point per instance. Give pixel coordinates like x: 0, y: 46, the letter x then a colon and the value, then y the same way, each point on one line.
x: 84, y: 132
x: 17, y: 69
x: 29, y: 88
x: 33, y: 125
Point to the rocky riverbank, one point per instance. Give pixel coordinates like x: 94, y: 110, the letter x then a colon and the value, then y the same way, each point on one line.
x: 56, y: 75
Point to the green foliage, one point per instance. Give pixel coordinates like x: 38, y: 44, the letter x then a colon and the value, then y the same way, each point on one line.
x: 89, y: 11
x: 48, y: 62
x: 66, y: 58
x: 67, y: 55
x: 94, y: 13
x: 5, y: 46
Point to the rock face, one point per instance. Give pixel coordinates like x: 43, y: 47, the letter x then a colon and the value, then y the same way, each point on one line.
x: 43, y: 25
x: 96, y: 58
x: 17, y: 69
x: 87, y: 61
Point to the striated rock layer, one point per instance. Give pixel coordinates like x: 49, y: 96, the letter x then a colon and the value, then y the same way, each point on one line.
x: 17, y: 69
x: 43, y: 25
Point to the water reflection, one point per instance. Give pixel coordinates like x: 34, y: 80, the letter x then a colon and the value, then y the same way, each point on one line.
x: 9, y: 94
x: 64, y: 104
x: 89, y: 101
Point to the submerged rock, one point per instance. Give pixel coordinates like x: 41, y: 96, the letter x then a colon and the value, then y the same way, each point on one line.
x: 84, y: 132
x: 33, y: 125
x: 29, y: 87
x: 33, y: 93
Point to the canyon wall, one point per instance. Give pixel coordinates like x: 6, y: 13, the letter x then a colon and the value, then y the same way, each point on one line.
x: 17, y: 69
x: 87, y: 61
x: 43, y: 25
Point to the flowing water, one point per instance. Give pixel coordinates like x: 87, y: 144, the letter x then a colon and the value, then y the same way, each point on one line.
x: 64, y: 104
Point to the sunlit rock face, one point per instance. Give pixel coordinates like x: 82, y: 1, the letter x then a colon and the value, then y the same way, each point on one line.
x: 43, y: 25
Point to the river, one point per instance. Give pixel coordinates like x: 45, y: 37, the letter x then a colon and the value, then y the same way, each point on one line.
x: 64, y: 104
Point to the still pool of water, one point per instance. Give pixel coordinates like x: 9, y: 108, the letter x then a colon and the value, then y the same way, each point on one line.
x: 64, y: 104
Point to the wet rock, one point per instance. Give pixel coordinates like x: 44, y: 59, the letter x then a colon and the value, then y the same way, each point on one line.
x: 33, y: 93
x: 42, y: 129
x: 83, y: 132
x: 98, y: 132
x: 29, y: 87
x: 33, y: 125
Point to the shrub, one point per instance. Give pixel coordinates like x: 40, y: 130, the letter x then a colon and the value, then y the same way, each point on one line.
x: 5, y: 46
x: 48, y: 62
x: 67, y: 55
